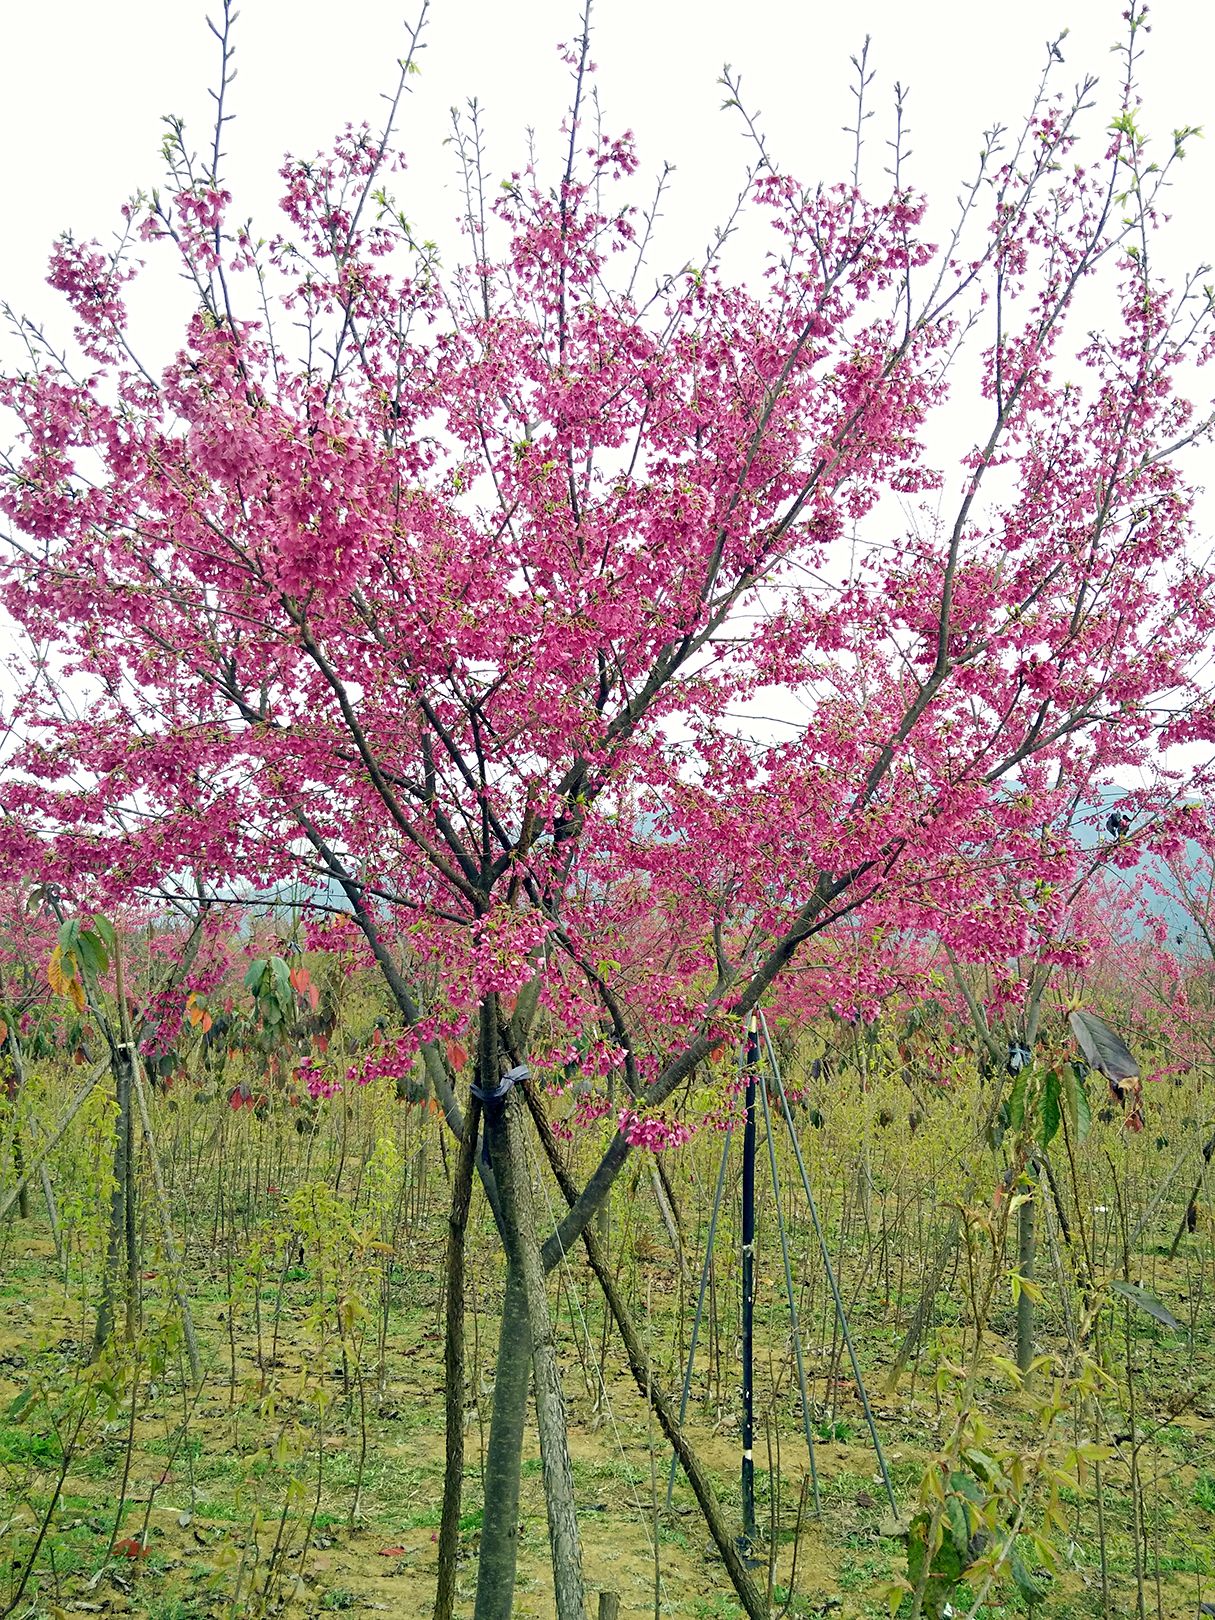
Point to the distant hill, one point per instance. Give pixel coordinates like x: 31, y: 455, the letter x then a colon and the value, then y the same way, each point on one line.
x: 1181, y: 930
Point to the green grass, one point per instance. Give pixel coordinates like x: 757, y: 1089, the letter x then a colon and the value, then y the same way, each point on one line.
x: 28, y: 1447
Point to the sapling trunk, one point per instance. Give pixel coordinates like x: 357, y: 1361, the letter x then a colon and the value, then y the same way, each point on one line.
x: 52, y: 1141
x: 642, y: 1370
x: 13, y: 1088
x: 23, y: 1192
x: 1025, y: 1267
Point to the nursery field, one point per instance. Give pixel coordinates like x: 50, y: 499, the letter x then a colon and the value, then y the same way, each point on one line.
x: 303, y: 1473
x: 607, y: 812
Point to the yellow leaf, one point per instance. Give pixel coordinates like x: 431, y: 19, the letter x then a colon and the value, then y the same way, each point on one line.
x: 896, y: 1592
x: 56, y: 977
x: 76, y: 991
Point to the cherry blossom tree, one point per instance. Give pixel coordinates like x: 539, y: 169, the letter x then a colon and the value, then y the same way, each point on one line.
x: 454, y: 592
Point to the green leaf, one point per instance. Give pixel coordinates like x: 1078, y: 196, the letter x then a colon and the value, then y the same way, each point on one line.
x: 1147, y: 1303
x: 18, y: 1404
x: 945, y: 1566
x: 94, y: 958
x: 1049, y: 1125
x: 255, y: 974
x: 104, y: 929
x: 986, y: 1466
x: 1076, y: 1099
x: 1016, y: 1099
x: 281, y: 977
x: 967, y: 1487
x: 1030, y: 1587
x: 959, y: 1525
x: 1103, y: 1049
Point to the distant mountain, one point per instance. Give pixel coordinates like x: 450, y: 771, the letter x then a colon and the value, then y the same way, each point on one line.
x: 1161, y: 902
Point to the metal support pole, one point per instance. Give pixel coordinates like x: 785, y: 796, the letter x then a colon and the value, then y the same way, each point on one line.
x: 749, y: 1530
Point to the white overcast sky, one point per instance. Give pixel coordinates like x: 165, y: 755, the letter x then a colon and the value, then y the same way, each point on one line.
x: 83, y: 86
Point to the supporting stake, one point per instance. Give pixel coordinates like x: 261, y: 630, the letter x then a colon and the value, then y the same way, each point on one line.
x: 750, y: 1533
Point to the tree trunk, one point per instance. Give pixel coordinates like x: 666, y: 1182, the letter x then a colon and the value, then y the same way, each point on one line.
x: 640, y: 1366
x: 505, y: 1130
x: 122, y: 1235
x: 503, y: 1458
x: 453, y: 1367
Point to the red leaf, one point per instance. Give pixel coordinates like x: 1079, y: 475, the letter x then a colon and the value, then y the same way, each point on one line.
x: 129, y: 1547
x: 457, y: 1055
x: 391, y: 1552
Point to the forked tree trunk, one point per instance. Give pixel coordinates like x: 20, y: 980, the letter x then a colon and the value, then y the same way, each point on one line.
x: 649, y: 1388
x: 505, y: 1134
